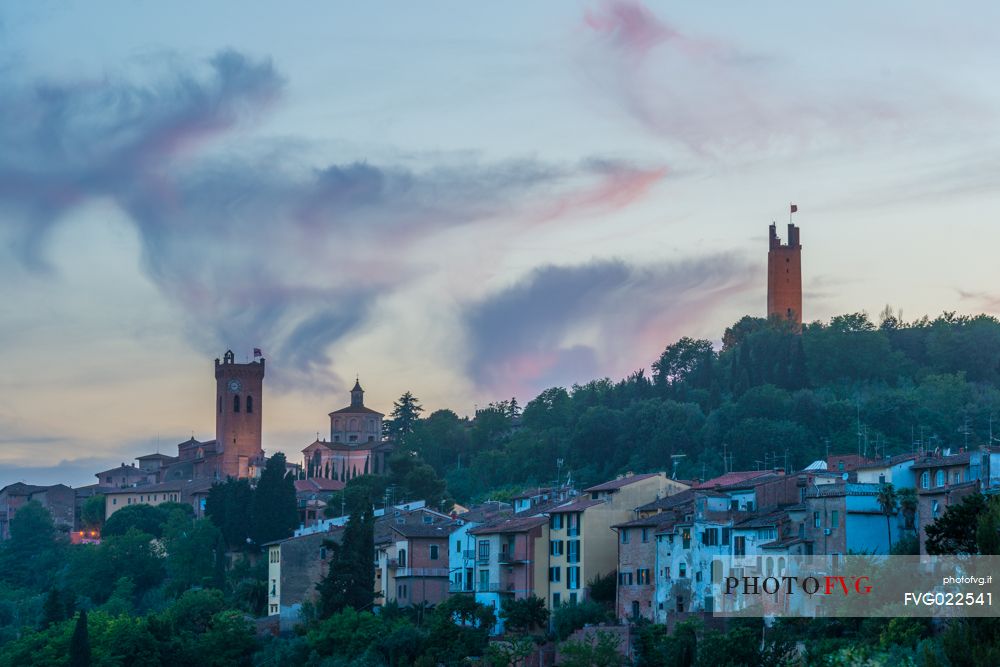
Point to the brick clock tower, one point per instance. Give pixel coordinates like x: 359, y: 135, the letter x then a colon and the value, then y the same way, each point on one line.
x: 239, y: 405
x: 784, y: 277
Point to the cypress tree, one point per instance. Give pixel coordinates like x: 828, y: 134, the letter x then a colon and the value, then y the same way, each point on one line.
x: 275, y: 511
x: 79, y: 646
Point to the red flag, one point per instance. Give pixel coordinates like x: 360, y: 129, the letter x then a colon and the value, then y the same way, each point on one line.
x: 795, y: 208
x: 257, y: 352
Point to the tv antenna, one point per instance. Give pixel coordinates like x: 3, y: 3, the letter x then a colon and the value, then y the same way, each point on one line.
x: 675, y: 459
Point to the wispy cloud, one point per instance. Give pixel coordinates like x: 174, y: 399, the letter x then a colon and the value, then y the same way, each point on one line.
x: 259, y: 247
x: 714, y: 96
x: 562, y: 324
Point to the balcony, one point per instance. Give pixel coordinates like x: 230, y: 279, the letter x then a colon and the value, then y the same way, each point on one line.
x: 488, y: 587
x: 455, y: 587
x: 422, y: 572
x: 468, y: 554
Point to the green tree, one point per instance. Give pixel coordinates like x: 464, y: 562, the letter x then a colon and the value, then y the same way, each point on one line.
x: 604, y: 588
x: 570, y: 617
x: 147, y: 519
x: 192, y: 556
x: 33, y: 552
x: 954, y: 532
x: 79, y: 647
x: 92, y: 513
x: 680, y: 361
x: 524, y: 614
x: 887, y: 500
x: 403, y: 418
x: 275, y: 511
x: 599, y: 649
x: 227, y: 506
x: 350, y: 580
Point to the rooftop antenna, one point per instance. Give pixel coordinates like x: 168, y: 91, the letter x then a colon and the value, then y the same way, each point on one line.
x: 725, y: 460
x: 676, y: 459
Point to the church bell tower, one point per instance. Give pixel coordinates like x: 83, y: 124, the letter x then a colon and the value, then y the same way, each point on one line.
x: 238, y: 410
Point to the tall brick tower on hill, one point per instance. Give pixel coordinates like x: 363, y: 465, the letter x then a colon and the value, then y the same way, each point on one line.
x: 784, y: 277
x: 239, y: 398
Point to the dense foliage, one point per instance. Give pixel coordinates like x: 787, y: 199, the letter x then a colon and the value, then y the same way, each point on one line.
x: 769, y: 397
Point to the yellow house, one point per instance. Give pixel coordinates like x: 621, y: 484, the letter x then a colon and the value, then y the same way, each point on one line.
x: 191, y: 492
x: 582, y: 544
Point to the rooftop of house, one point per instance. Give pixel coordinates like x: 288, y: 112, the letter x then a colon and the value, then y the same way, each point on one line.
x: 156, y: 456
x: 315, y: 484
x: 887, y: 461
x: 532, y: 492
x: 511, y: 525
x: 929, y: 460
x: 484, y: 512
x: 731, y: 478
x: 620, y: 482
x: 184, y: 486
x: 666, y: 502
x: 123, y: 469
x: 752, y: 482
x: 761, y: 520
x: 425, y: 531
x: 578, y: 505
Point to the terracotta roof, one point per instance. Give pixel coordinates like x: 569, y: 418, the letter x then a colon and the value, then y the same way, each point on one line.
x: 123, y: 469
x: 616, y: 484
x: 575, y: 506
x: 542, y: 508
x: 666, y: 502
x: 318, y: 484
x: 961, y: 458
x: 425, y: 530
x: 891, y: 461
x: 730, y: 478
x: 186, y: 486
x: 515, y: 525
x: 156, y: 456
x: 531, y: 493
x: 357, y: 410
x: 346, y: 446
x: 654, y: 520
x: 761, y: 521
x: 485, y: 512
x: 754, y: 481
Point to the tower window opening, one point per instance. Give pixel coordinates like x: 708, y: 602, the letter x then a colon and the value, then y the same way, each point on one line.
x: 249, y: 404
x: 236, y: 403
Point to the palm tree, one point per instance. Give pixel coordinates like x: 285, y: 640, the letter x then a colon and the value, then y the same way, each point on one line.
x: 908, y: 505
x: 887, y: 501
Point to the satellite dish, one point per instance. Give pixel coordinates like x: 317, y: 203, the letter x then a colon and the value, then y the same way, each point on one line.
x: 844, y: 476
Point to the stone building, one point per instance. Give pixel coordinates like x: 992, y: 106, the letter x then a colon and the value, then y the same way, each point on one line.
x: 58, y: 499
x: 355, y: 446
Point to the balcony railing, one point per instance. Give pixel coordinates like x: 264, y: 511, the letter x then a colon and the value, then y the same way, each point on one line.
x: 469, y: 554
x: 488, y: 587
x: 422, y: 572
x: 455, y: 587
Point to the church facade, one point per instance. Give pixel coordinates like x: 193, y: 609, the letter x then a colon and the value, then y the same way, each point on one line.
x: 355, y: 446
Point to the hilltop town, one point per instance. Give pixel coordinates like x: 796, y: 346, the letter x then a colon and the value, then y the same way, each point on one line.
x: 595, y: 527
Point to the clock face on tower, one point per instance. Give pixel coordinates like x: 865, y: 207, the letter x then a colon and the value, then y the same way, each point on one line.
x: 234, y: 385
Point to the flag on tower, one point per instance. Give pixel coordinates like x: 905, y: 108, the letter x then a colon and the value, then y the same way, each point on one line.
x: 795, y: 208
x: 257, y: 352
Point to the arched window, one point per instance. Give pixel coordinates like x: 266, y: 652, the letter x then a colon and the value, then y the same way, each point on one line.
x: 925, y: 480
x: 402, y: 558
x: 249, y: 403
x: 939, y: 478
x: 236, y: 403
x: 353, y: 425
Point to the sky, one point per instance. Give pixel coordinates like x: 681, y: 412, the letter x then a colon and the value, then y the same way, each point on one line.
x: 468, y: 201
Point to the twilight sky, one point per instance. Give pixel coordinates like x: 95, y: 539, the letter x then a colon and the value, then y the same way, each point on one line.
x: 464, y: 200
